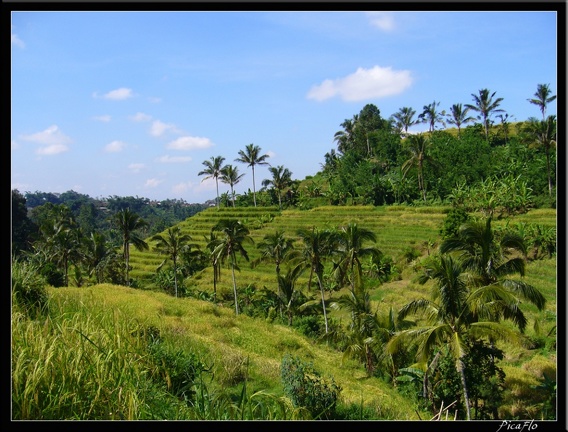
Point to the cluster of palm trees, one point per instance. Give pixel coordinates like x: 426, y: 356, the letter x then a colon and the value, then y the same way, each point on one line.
x: 229, y: 174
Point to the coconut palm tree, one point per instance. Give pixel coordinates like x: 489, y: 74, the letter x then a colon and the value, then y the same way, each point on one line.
x: 431, y: 115
x: 351, y: 239
x: 212, y: 242
x: 485, y: 106
x: 317, y: 245
x: 275, y: 247
x: 128, y: 223
x: 281, y: 179
x: 234, y: 235
x: 230, y: 175
x: 213, y: 169
x: 418, y: 145
x: 252, y: 157
x: 346, y: 138
x: 451, y: 318
x: 403, y: 119
x: 459, y: 116
x: 287, y: 288
x: 172, y: 245
x: 543, y: 134
x: 542, y: 97
x: 489, y: 262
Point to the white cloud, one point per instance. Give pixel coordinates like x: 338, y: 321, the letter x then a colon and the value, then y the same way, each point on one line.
x: 15, y: 145
x: 377, y: 82
x: 159, y: 128
x: 103, y: 118
x: 52, y: 138
x: 52, y: 149
x: 115, y: 146
x: 17, y: 41
x: 152, y: 183
x: 382, y: 20
x: 140, y: 117
x: 174, y: 159
x: 181, y: 188
x: 155, y: 99
x: 118, y: 94
x: 136, y: 167
x: 190, y: 143
x: 271, y: 154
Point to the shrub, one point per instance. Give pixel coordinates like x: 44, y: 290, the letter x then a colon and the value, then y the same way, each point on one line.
x: 456, y: 217
x: 28, y: 289
x: 176, y: 369
x: 306, y: 388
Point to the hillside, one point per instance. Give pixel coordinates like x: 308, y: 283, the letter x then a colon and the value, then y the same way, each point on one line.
x: 241, y: 348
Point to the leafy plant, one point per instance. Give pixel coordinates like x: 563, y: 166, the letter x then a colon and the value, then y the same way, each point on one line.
x: 307, y: 388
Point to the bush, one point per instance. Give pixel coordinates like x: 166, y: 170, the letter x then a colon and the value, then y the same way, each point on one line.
x: 306, y: 388
x: 176, y: 369
x: 29, y: 291
x: 456, y: 217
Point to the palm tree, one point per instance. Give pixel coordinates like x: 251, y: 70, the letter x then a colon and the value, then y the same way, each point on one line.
x: 235, y: 234
x: 252, y: 157
x: 350, y: 245
x: 431, y: 116
x: 286, y: 288
x: 346, y: 138
x: 213, y: 169
x: 97, y: 253
x: 452, y: 317
x: 543, y: 134
x: 171, y: 245
x: 361, y: 329
x: 458, y: 116
x: 403, y: 119
x: 212, y: 242
x: 485, y: 106
x: 277, y: 248
x: 127, y: 223
x: 418, y: 146
x: 281, y: 179
x: 317, y: 245
x: 230, y: 175
x: 490, y: 261
x: 542, y: 97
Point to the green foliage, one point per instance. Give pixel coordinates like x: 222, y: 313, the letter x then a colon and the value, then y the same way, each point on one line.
x: 455, y: 218
x: 29, y: 293
x: 176, y: 369
x: 164, y: 279
x: 304, y: 385
x: 485, y: 380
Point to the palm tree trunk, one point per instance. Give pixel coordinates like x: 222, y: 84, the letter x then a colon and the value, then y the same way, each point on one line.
x: 323, y: 302
x: 175, y: 278
x: 548, y: 171
x: 235, y: 287
x: 465, y: 393
x: 253, y: 187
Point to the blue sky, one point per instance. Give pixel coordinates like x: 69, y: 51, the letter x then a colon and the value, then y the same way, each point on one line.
x: 132, y: 103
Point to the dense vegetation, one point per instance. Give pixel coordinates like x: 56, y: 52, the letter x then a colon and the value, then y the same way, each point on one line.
x: 422, y: 264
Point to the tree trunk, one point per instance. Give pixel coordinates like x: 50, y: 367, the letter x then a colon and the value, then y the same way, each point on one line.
x: 323, y: 303
x: 235, y: 288
x: 465, y: 393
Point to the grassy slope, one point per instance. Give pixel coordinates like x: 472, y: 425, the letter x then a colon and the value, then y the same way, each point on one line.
x: 397, y: 228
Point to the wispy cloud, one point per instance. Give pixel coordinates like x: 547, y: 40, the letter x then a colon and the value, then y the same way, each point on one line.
x: 102, y: 118
x: 17, y: 41
x: 136, y: 167
x: 377, y: 82
x: 52, y: 139
x: 140, y: 117
x: 382, y: 20
x: 174, y: 159
x: 115, y: 147
x: 158, y: 128
x: 190, y: 143
x: 152, y: 183
x: 118, y: 94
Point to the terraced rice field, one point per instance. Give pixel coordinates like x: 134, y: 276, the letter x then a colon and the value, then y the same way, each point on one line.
x: 396, y: 228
